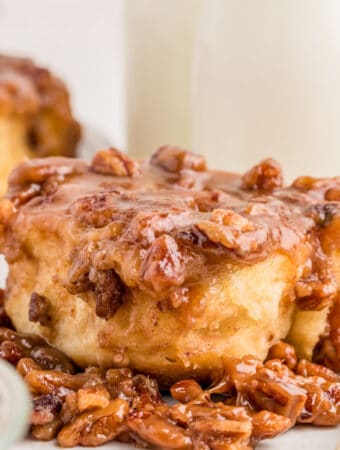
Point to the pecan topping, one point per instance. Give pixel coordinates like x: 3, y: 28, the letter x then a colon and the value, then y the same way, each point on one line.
x: 39, y: 308
x: 114, y: 162
x: 28, y: 178
x: 266, y: 175
x: 175, y: 159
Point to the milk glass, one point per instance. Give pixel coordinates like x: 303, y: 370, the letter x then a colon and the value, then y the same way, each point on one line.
x: 266, y: 82
x: 160, y: 37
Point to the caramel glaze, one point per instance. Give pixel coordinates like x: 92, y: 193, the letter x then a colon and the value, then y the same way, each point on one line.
x: 32, y: 92
x: 159, y: 225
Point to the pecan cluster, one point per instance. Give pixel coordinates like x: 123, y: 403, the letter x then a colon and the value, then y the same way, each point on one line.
x: 253, y: 401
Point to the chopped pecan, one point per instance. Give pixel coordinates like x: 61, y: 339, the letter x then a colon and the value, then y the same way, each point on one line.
x: 39, y: 309
x: 159, y: 432
x: 11, y: 352
x: 25, y: 365
x: 22, y: 340
x: 267, y: 389
x: 43, y: 382
x: 229, y: 217
x: 146, y: 392
x: 233, y: 231
x: 27, y: 180
x: 95, y: 427
x: 45, y: 409
x: 52, y: 359
x: 260, y: 401
x: 164, y: 264
x: 322, y: 406
x: 267, y: 425
x: 48, y: 431
x: 276, y: 388
x: 92, y: 398
x: 285, y: 353
x: 332, y: 194
x: 108, y: 290
x: 266, y: 175
x: 95, y: 210
x: 114, y: 162
x: 186, y: 390
x: 175, y: 159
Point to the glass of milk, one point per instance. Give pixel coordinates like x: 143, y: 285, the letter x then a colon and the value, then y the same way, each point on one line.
x: 266, y: 82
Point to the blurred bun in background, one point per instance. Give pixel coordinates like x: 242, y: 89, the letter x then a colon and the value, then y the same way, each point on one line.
x: 35, y: 115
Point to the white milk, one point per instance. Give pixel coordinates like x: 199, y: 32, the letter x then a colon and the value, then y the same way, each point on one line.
x: 159, y: 42
x: 267, y: 83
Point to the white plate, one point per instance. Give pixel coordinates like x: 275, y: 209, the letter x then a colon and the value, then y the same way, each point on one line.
x: 300, y: 438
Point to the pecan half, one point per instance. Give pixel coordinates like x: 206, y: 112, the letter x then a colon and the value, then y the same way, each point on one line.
x: 175, y: 159
x: 266, y: 175
x: 114, y: 162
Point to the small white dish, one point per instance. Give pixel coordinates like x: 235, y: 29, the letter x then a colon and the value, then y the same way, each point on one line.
x: 15, y: 406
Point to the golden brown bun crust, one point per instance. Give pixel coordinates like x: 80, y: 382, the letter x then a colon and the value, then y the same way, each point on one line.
x: 33, y: 94
x: 165, y: 266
